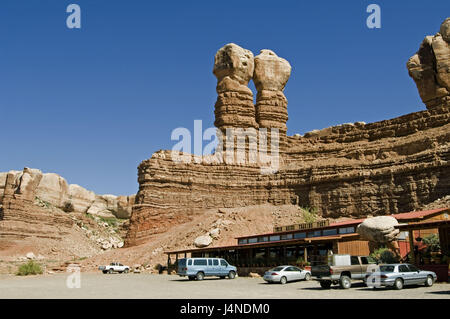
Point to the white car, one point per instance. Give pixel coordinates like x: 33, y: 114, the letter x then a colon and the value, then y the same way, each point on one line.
x: 283, y: 274
x: 114, y: 267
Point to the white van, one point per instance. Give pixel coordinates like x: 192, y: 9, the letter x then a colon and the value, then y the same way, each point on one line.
x: 199, y: 268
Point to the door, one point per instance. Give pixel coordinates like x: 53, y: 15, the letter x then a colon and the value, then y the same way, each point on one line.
x: 289, y: 273
x: 406, y: 274
x: 355, y: 268
x: 209, y: 270
x: 216, y: 267
x: 298, y: 273
x: 223, y: 271
x: 417, y: 276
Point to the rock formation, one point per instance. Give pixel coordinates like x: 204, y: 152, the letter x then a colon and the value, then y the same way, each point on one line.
x: 380, y: 229
x: 430, y: 68
x: 53, y: 189
x: 233, y: 67
x: 270, y: 77
x: 350, y: 170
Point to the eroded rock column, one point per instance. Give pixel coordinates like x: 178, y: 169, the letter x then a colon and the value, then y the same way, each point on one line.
x: 430, y: 68
x: 234, y: 108
x: 270, y: 77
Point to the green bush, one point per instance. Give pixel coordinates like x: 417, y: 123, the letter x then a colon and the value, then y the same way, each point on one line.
x: 30, y: 268
x: 383, y: 256
x: 309, y: 214
x: 433, y: 243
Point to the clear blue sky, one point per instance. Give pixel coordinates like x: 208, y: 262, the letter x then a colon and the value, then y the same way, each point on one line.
x: 91, y: 104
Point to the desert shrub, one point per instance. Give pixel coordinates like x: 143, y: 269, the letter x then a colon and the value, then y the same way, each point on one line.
x: 383, y: 256
x: 30, y: 268
x: 433, y: 243
x: 68, y: 207
x: 309, y: 214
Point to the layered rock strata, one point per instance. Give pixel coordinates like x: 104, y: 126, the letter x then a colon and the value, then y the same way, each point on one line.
x: 54, y: 190
x: 270, y: 77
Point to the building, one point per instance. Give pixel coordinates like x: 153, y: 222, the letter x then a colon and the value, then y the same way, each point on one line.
x: 311, y: 243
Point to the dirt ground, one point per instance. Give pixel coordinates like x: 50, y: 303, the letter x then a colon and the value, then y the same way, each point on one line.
x: 123, y: 286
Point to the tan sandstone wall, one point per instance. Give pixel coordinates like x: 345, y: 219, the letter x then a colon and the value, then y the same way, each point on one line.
x: 349, y: 170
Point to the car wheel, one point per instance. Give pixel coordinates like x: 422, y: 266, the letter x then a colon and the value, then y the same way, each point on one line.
x: 308, y: 276
x: 126, y: 271
x: 200, y: 276
x: 398, y: 284
x: 104, y: 271
x: 325, y: 284
x: 429, y: 281
x: 283, y: 280
x: 110, y: 271
x: 231, y: 275
x: 345, y: 282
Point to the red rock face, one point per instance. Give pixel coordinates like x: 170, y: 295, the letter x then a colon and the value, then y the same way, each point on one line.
x: 350, y: 170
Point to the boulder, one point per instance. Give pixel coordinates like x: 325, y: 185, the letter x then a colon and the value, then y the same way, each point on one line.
x: 81, y: 198
x: 378, y: 229
x: 124, y: 206
x: 53, y: 189
x: 26, y: 183
x: 202, y: 241
x: 271, y: 72
x: 214, y: 233
x: 254, y: 275
x: 234, y: 62
x: 430, y: 68
x: 30, y: 255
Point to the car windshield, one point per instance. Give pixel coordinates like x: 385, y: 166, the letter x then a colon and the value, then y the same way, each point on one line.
x: 277, y: 269
x: 387, y: 268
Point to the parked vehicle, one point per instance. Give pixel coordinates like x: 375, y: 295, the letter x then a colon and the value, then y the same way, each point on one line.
x: 398, y: 276
x: 199, y: 268
x: 114, y: 267
x: 341, y: 269
x: 284, y: 274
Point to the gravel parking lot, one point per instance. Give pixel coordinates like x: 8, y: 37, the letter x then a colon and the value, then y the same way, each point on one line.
x: 165, y: 286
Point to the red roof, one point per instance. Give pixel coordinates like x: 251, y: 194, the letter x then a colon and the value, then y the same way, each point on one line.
x: 400, y: 217
x: 418, y: 215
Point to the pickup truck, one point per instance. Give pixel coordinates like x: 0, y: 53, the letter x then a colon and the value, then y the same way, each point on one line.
x: 341, y: 269
x: 114, y: 267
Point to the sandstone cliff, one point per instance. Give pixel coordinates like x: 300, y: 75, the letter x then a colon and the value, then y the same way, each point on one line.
x: 350, y: 170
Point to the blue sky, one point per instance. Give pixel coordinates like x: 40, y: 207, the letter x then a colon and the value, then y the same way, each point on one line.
x: 91, y: 104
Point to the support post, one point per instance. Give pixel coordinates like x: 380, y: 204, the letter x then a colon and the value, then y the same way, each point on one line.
x: 411, y: 246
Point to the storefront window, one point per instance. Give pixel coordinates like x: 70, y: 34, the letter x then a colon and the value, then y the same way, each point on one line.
x: 275, y: 238
x: 316, y: 233
x: 346, y: 230
x: 329, y: 232
x: 299, y: 235
x: 286, y: 236
x: 253, y: 240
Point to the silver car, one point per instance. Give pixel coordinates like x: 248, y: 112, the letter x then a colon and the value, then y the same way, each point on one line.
x: 398, y: 276
x: 283, y: 274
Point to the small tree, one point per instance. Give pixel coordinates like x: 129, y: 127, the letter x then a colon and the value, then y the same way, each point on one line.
x: 383, y: 256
